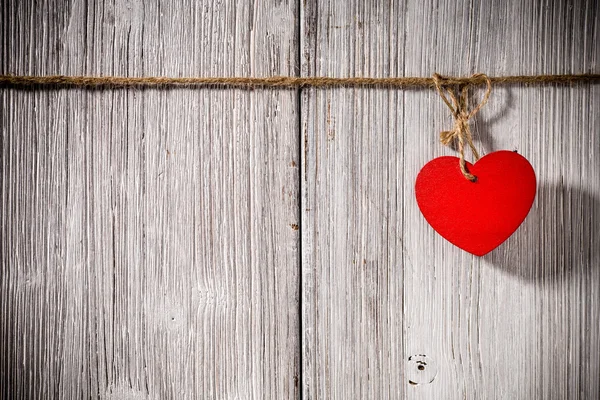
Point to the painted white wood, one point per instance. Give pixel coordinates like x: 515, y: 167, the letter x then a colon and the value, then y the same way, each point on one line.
x: 150, y: 239
x: 352, y: 197
x: 379, y: 286
x: 148, y: 248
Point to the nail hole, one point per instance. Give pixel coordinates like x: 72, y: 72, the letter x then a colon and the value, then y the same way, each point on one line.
x: 421, y: 369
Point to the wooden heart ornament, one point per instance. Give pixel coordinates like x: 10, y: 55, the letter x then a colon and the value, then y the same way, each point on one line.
x: 476, y: 216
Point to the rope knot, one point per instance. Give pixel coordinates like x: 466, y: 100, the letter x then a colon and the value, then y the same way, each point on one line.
x: 448, y: 138
x: 461, y: 131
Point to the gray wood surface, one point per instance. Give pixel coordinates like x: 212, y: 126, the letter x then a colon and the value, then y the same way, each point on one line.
x: 352, y: 205
x: 379, y: 286
x: 148, y: 248
x: 220, y: 243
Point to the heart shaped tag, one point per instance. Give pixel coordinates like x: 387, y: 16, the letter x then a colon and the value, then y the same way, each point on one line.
x: 476, y: 216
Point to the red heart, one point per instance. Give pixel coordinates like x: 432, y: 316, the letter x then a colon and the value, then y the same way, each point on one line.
x: 476, y: 216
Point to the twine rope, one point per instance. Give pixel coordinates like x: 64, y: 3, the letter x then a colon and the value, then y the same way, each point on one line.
x: 289, y: 82
x: 459, y: 135
x: 459, y: 105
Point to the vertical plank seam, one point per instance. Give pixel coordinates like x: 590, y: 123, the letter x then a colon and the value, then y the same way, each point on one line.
x: 403, y: 339
x: 300, y: 377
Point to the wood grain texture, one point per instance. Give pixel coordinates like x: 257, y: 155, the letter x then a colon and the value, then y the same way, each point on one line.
x: 352, y: 204
x: 148, y: 240
x: 379, y: 286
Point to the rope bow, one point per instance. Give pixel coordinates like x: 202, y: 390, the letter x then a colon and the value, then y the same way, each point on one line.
x: 459, y: 106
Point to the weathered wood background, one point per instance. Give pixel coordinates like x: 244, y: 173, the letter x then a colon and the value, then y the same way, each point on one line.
x: 191, y: 244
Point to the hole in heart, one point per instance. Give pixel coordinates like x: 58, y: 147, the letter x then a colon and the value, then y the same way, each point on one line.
x: 421, y: 367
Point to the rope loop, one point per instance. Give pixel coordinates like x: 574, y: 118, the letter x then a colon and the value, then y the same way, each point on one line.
x: 456, y: 98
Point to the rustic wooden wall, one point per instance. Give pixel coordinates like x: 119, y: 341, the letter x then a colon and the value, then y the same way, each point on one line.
x: 148, y: 248
x: 224, y: 243
x: 379, y: 286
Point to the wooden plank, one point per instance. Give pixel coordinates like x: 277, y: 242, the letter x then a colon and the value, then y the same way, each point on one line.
x: 352, y: 204
x: 149, y: 246
x: 521, y: 322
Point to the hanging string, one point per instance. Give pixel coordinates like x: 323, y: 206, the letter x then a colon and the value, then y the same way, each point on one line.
x: 109, y: 82
x: 459, y: 105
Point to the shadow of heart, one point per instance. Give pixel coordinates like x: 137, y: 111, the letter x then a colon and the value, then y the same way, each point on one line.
x: 560, y: 238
